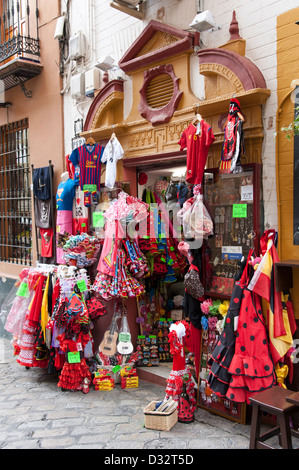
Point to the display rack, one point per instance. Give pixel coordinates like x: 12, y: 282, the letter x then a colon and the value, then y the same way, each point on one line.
x: 234, y: 203
x: 52, y: 210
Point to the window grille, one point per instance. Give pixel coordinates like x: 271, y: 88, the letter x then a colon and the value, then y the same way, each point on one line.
x: 15, y: 194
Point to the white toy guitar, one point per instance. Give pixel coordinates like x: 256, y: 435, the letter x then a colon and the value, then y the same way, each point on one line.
x: 124, y: 345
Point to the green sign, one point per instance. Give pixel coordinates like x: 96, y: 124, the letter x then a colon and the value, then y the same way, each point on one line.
x: 73, y: 357
x: 82, y: 285
x: 23, y: 290
x: 239, y: 210
x: 98, y: 219
x: 90, y: 187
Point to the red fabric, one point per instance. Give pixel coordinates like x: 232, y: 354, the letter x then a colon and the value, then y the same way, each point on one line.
x: 80, y: 225
x: 46, y: 242
x: 56, y: 292
x: 197, y: 150
x: 34, y: 314
x: 252, y: 366
x: 70, y: 167
x: 195, y: 336
x: 72, y: 375
x: 267, y: 235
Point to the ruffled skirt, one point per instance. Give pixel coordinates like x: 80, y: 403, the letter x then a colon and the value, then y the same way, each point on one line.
x: 252, y: 368
x: 73, y: 375
x: 174, y: 387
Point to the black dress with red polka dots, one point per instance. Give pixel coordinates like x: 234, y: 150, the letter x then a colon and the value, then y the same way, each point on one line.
x: 241, y: 362
x: 223, y: 353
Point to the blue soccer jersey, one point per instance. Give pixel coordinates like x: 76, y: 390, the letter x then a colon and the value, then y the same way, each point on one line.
x: 87, y: 162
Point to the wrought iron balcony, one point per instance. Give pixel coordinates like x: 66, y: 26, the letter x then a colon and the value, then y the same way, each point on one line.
x: 19, y: 46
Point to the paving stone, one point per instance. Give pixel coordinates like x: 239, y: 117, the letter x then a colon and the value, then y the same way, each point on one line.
x: 56, y: 443
x: 36, y: 414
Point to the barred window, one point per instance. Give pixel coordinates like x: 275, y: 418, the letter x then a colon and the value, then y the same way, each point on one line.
x: 15, y: 194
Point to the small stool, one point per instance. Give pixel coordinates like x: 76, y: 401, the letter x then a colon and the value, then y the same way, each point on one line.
x: 273, y: 401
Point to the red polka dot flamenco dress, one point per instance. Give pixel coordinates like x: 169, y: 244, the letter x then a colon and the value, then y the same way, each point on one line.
x: 241, y: 361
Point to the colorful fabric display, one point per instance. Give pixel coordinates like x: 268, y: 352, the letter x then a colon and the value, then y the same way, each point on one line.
x: 122, y: 284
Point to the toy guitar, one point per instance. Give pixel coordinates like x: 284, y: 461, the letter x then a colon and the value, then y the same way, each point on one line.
x: 125, y: 345
x: 108, y: 344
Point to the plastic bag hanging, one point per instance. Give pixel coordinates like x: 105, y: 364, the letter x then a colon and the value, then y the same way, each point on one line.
x: 196, y: 219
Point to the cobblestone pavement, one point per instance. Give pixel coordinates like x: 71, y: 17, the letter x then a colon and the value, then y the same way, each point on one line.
x: 36, y: 414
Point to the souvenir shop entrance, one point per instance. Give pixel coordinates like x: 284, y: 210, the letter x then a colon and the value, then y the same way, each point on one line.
x: 163, y: 186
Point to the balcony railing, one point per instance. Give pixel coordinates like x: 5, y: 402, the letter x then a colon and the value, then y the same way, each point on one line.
x: 18, y: 36
x: 19, y: 43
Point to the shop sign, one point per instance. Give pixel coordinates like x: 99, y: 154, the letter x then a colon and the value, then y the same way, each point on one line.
x: 247, y: 193
x: 239, y: 211
x: 231, y: 252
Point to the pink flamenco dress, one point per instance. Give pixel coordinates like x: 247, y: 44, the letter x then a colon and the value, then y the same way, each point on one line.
x: 179, y: 337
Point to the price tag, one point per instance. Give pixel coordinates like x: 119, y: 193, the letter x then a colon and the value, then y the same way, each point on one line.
x: 239, y: 210
x: 98, y: 219
x: 23, y: 290
x: 82, y: 285
x: 116, y: 369
x: 73, y: 357
x: 90, y: 187
x: 125, y: 337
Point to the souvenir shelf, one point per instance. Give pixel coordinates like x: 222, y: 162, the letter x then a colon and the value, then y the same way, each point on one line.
x: 234, y: 202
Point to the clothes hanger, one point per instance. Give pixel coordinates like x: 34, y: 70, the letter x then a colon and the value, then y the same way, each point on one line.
x: 90, y: 141
x: 113, y: 134
x: 197, y: 118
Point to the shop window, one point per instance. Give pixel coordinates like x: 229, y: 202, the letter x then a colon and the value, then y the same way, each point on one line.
x: 15, y: 194
x: 159, y: 95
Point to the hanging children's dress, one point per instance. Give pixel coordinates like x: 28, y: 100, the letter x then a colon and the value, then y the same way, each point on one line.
x: 179, y: 337
x: 75, y: 369
x: 30, y: 334
x: 252, y: 367
x: 222, y: 355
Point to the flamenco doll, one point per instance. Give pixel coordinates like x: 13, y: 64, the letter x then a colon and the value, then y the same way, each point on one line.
x: 179, y: 337
x: 233, y: 144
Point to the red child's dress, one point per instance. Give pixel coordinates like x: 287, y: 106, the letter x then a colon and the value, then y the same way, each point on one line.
x: 73, y: 373
x: 174, y: 386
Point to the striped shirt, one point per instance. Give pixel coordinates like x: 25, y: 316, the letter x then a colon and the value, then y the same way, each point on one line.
x: 87, y: 161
